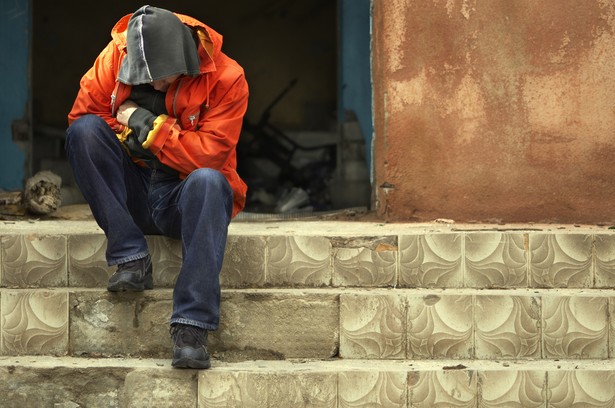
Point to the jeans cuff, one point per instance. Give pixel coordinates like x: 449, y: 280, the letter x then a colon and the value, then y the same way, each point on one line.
x: 190, y: 322
x: 140, y: 255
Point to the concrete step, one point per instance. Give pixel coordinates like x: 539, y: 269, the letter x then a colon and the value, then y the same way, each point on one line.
x: 319, y: 313
x: 351, y: 323
x: 78, y: 382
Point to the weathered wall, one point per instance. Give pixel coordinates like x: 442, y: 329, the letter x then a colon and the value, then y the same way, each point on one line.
x: 494, y: 110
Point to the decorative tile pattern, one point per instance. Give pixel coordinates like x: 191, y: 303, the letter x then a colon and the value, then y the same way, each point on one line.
x: 34, y: 322
x: 561, y: 260
x: 244, y: 262
x: 87, y: 265
x: 605, y: 260
x: 513, y: 388
x: 166, y: 256
x: 365, y: 261
x: 34, y: 261
x: 507, y: 327
x: 440, y: 327
x: 575, y: 327
x: 298, y: 261
x: 495, y: 260
x: 433, y: 260
x: 372, y: 326
x: 448, y: 388
x: 266, y: 390
x: 581, y: 389
x: 372, y: 389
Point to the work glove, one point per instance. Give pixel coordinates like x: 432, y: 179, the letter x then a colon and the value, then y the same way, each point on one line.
x: 140, y: 122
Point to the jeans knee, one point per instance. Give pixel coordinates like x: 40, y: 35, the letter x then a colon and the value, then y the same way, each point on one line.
x: 207, y: 178
x: 208, y: 189
x: 84, y: 125
x: 86, y: 132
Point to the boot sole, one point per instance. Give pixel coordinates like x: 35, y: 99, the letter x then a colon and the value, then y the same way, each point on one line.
x: 191, y: 363
x: 126, y: 285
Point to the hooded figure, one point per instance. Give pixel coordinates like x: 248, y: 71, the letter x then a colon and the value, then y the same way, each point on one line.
x: 152, y: 142
x: 159, y: 45
x: 196, y: 123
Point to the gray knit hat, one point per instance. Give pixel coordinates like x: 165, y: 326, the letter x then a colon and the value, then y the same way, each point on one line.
x: 158, y: 45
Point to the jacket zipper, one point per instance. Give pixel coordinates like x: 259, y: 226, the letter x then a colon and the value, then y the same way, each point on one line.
x: 113, y: 97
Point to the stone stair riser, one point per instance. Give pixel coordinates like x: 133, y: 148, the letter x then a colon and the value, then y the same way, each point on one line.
x: 99, y: 323
x: 321, y: 323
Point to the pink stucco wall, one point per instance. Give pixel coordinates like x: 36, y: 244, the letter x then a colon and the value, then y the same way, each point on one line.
x: 494, y: 110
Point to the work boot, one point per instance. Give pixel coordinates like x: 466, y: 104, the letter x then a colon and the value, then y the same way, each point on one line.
x: 133, y: 276
x: 189, y: 347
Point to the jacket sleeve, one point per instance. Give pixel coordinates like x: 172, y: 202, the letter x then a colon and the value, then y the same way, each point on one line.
x: 213, y: 144
x: 97, y: 87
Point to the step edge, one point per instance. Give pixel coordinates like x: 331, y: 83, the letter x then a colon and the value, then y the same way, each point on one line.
x: 314, y: 365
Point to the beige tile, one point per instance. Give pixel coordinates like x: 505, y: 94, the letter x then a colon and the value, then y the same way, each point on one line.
x: 372, y: 326
x: 447, y: 388
x: 561, y: 260
x: 87, y: 264
x: 605, y: 260
x: 34, y: 261
x: 575, y: 327
x: 244, y: 262
x: 432, y: 260
x: 372, y: 389
x: 581, y: 389
x: 221, y: 389
x: 507, y: 327
x: 34, y: 322
x: 365, y: 262
x: 512, y: 388
x: 298, y: 261
x: 440, y: 327
x: 166, y: 256
x: 495, y: 260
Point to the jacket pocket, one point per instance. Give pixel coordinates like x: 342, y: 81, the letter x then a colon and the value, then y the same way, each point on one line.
x: 190, y: 119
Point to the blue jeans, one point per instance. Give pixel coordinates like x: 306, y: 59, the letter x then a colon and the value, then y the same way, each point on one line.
x: 129, y: 201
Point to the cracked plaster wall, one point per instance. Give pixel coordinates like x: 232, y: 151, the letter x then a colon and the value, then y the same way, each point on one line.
x: 494, y: 110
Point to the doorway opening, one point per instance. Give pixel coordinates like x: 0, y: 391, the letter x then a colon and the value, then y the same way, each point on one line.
x: 305, y: 145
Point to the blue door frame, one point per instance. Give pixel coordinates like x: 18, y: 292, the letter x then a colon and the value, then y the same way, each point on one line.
x: 355, y: 85
x: 15, y: 111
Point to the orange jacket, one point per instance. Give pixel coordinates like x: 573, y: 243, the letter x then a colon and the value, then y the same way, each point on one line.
x: 205, y: 112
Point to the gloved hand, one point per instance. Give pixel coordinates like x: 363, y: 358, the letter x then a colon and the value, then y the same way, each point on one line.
x: 141, y: 122
x: 136, y: 148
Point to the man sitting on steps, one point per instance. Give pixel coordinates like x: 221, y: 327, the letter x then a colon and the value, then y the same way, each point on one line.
x: 151, y: 140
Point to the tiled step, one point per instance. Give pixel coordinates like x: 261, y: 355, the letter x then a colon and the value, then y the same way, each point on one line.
x: 319, y: 314
x: 75, y: 382
x: 44, y: 254
x: 351, y: 323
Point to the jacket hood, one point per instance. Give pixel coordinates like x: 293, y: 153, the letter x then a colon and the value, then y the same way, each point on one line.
x: 159, y: 43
